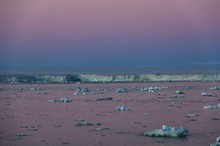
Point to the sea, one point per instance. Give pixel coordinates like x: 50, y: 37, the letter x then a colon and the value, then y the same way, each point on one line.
x: 205, y: 68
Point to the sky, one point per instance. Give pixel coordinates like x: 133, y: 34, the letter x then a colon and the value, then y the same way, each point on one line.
x: 87, y: 33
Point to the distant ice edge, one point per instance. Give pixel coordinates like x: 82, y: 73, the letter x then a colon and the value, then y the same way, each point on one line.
x: 99, y: 78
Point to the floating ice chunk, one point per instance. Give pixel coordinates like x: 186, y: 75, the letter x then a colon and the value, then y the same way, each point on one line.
x: 153, y: 89
x: 217, y: 142
x: 53, y: 100
x: 212, y: 106
x: 83, y: 123
x: 24, y: 126
x: 122, y: 108
x: 146, y: 114
x: 206, y: 94
x: 215, y: 88
x: 104, y: 98
x: 218, y: 139
x: 63, y: 99
x: 192, y: 115
x: 167, y: 131
x: 121, y: 90
x: 33, y: 89
x: 81, y: 91
x: 19, y: 135
x: 43, y: 93
x: 179, y: 92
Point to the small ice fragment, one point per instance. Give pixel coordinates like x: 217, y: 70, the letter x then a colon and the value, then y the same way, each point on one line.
x: 121, y: 90
x: 122, y: 108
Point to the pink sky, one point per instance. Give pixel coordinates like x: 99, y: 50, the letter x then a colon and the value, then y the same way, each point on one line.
x: 99, y: 29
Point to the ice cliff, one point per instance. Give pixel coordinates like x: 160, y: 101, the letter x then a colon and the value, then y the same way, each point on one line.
x: 106, y: 78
